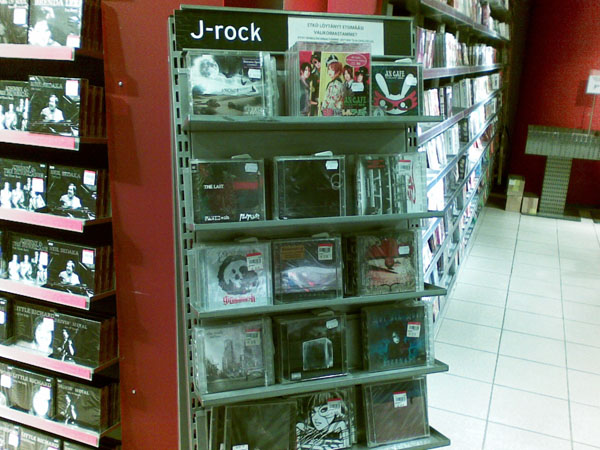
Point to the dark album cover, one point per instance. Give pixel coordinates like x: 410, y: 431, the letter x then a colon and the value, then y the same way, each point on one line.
x: 235, y: 275
x: 228, y: 83
x: 311, y: 347
x: 23, y: 184
x: 234, y: 356
x: 55, y: 105
x: 77, y: 340
x: 72, y: 268
x: 261, y: 426
x: 27, y: 259
x: 55, y: 23
x: 395, y: 411
x: 14, y: 102
x: 5, y: 385
x: 73, y: 191
x: 36, y: 440
x: 217, y: 428
x: 9, y: 436
x: 307, y: 268
x: 326, y: 420
x: 228, y: 190
x: 13, y: 21
x: 310, y: 186
x: 395, y: 336
x: 82, y: 405
x: 33, y: 326
x: 6, y: 318
x: 31, y: 392
x: 396, y: 90
x: 374, y: 187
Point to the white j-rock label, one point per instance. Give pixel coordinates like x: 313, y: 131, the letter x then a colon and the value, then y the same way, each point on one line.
x: 400, y: 400
x: 254, y: 261
x: 413, y: 330
x: 325, y: 252
x: 89, y: 177
x: 20, y: 16
x: 229, y: 32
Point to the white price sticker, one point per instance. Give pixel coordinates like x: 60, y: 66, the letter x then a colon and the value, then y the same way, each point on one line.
x: 400, y: 400
x: 72, y: 88
x: 2, y: 317
x: 403, y: 250
x: 251, y: 167
x: 255, y: 74
x: 5, y: 381
x: 357, y: 87
x: 48, y: 322
x: 296, y: 376
x: 43, y: 258
x: 89, y: 177
x: 252, y: 338
x: 325, y: 252
x: 37, y: 185
x: 20, y: 16
x: 331, y: 324
x: 73, y: 41
x: 335, y: 405
x: 413, y: 330
x: 13, y: 439
x: 254, y: 261
x: 593, y: 86
x: 331, y: 165
x: 87, y: 256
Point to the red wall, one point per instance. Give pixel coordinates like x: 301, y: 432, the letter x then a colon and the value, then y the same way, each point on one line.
x: 563, y: 45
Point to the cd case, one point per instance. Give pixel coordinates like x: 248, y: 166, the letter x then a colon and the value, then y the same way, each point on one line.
x: 307, y: 268
x: 55, y: 106
x: 232, y: 356
x: 310, y: 346
x: 23, y: 184
x: 397, y: 89
x: 232, y: 276
x: 395, y: 411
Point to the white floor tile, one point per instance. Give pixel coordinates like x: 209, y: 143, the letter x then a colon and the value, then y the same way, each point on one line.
x: 544, y: 236
x: 469, y: 335
x: 582, y: 312
x: 577, y: 446
x: 536, y: 247
x: 533, y: 287
x: 483, y: 278
x: 464, y: 432
x: 528, y: 323
x: 549, y: 275
x: 585, y: 420
x: 477, y: 313
x: 479, y: 294
x: 503, y: 266
x: 589, y: 254
x: 494, y: 230
x: 487, y: 251
x: 537, y: 221
x: 534, y: 304
x: 533, y: 348
x: 583, y: 358
x: 539, y: 259
x: 467, y: 362
x: 584, y: 388
x: 581, y: 279
x: 579, y: 265
x: 582, y: 333
x: 533, y: 412
x: 532, y: 377
x: 580, y: 294
x: 459, y: 395
x: 494, y: 241
x: 502, y: 437
x: 583, y: 241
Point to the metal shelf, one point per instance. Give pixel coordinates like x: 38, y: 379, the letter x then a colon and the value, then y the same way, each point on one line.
x: 50, y: 220
x: 351, y: 379
x: 47, y: 140
x: 445, y: 72
x: 434, y: 440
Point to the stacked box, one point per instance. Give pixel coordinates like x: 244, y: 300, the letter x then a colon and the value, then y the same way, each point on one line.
x: 23, y: 184
x: 30, y: 392
x: 514, y: 193
x: 76, y: 191
x: 530, y: 203
x: 55, y: 23
x: 14, y: 99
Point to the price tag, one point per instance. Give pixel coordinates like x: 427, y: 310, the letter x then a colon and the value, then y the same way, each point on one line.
x: 5, y: 381
x: 357, y: 87
x: 296, y: 376
x: 255, y: 74
x: 48, y: 322
x: 325, y: 252
x: 400, y: 399
x: 20, y: 16
x: 251, y: 167
x: 413, y: 330
x: 13, y: 439
x: 87, y: 256
x: 331, y: 324
x: 403, y: 250
x: 37, y: 185
x: 593, y: 86
x: 331, y: 165
x: 43, y: 258
x: 73, y: 41
x: 335, y: 405
x: 254, y: 261
x: 72, y: 87
x: 2, y: 317
x: 89, y: 177
x: 252, y: 337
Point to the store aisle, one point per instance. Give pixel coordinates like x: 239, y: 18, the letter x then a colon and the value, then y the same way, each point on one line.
x: 522, y: 338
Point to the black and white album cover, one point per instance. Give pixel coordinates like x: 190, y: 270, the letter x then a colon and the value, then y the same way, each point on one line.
x: 13, y: 21
x: 27, y: 259
x: 228, y: 83
x: 261, y: 426
x: 14, y: 103
x: 235, y: 276
x: 82, y: 405
x: 396, y: 411
x: 31, y: 392
x: 72, y: 268
x: 310, y: 186
x: 31, y: 439
x: 326, y: 420
x: 307, y: 268
x: 374, y: 188
x: 33, y: 326
x: 55, y: 105
x: 77, y: 340
x: 23, y: 185
x: 55, y: 23
x: 234, y: 356
x: 73, y: 191
x: 311, y: 347
x: 228, y: 190
x: 6, y: 318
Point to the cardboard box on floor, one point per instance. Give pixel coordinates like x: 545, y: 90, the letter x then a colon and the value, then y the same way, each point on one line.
x: 513, y: 203
x: 530, y: 203
x: 516, y: 185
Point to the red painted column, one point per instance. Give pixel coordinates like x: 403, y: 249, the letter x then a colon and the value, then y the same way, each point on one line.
x: 367, y: 7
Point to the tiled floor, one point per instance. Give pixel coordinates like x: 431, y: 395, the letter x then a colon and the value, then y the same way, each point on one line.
x: 521, y: 335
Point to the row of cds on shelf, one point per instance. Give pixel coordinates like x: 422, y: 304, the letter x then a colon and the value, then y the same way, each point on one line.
x: 321, y: 80
x: 89, y: 341
x: 90, y: 406
x: 40, y: 261
x: 250, y: 274
x: 393, y: 412
x: 53, y: 105
x: 308, y: 346
x: 480, y: 12
x: 60, y: 190
x: 308, y: 186
x: 51, y: 23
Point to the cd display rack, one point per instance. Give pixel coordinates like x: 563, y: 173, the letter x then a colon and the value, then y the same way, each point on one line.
x: 223, y: 137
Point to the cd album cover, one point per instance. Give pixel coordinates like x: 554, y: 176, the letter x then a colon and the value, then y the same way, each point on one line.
x: 395, y: 336
x: 228, y: 83
x: 9, y: 436
x: 396, y: 411
x: 310, y: 186
x: 409, y: 181
x: 33, y: 326
x: 396, y: 90
x: 14, y: 102
x: 73, y: 191
x: 234, y: 356
x: 72, y: 268
x: 235, y: 275
x: 6, y: 318
x: 311, y: 347
x: 31, y: 392
x: 23, y: 185
x: 13, y: 21
x: 261, y: 426
x: 307, y: 268
x: 374, y: 188
x: 82, y: 405
x: 55, y: 105
x: 326, y: 420
x: 27, y: 259
x: 228, y: 190
x: 55, y: 23
x: 31, y: 439
x: 77, y: 340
